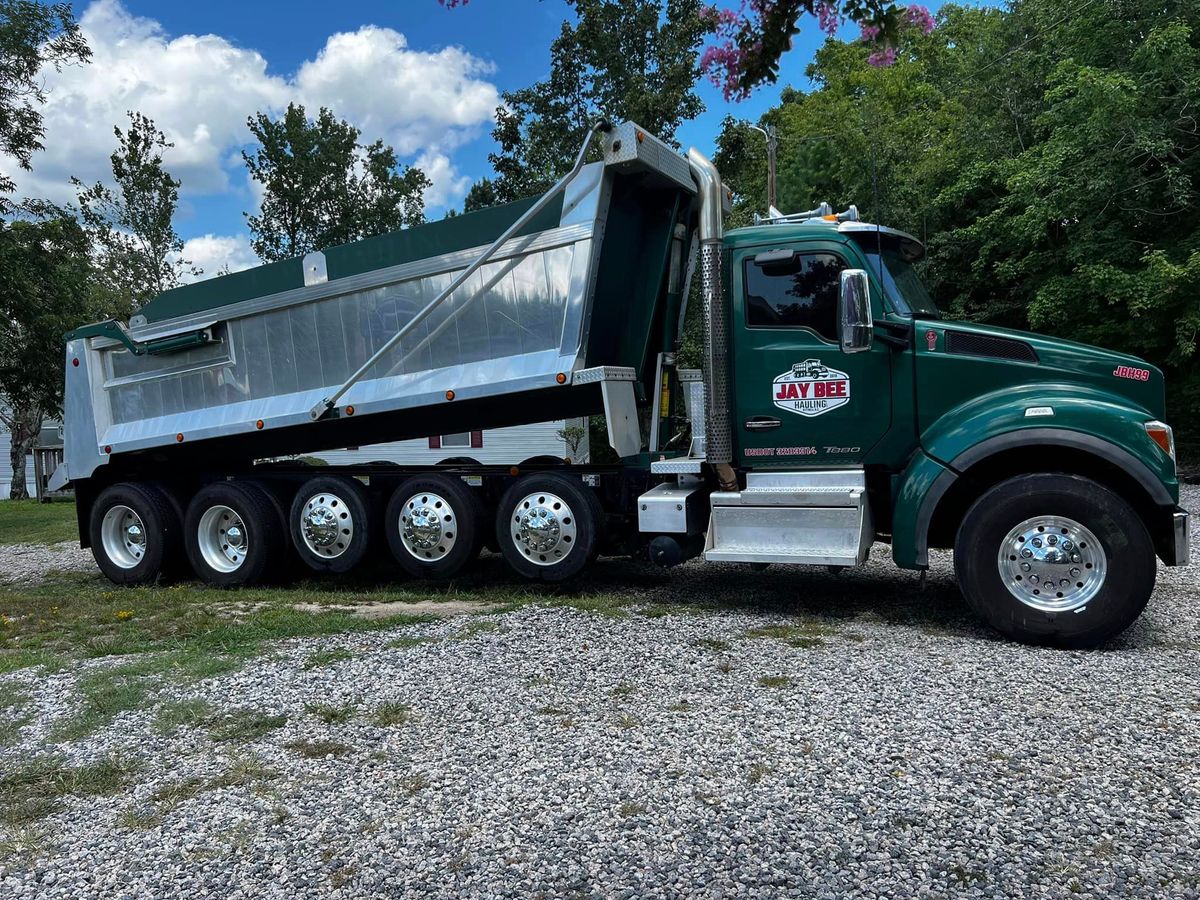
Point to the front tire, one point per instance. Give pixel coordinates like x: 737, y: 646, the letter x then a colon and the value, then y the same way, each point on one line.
x: 1055, y: 559
x: 135, y: 533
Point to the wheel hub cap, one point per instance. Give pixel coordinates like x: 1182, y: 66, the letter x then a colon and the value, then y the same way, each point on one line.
x: 428, y: 527
x: 326, y: 525
x: 221, y: 536
x: 544, y: 528
x: 123, y: 536
x: 1052, y: 563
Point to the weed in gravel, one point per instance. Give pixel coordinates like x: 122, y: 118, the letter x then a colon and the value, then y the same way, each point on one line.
x: 715, y: 644
x: 681, y: 706
x: 173, y: 793
x: 476, y: 628
x: 757, y: 772
x: 323, y: 658
x: 140, y: 818
x: 390, y: 714
x: 806, y: 633
x: 631, y: 808
x: 552, y: 711
x: 775, y: 681
x: 725, y: 667
x: 244, y: 724
x: 341, y: 877
x: 330, y: 715
x: 242, y: 770
x: 23, y: 842
x: 35, y: 790
x: 662, y: 610
x: 414, y: 783
x: 176, y: 714
x: 624, y: 689
x: 11, y: 727
x: 105, y: 694
x: 319, y: 749
x: 627, y: 720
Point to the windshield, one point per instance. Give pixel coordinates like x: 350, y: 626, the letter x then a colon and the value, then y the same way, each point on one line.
x: 900, y: 279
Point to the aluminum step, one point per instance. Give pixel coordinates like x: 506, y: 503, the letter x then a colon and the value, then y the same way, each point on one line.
x: 819, y: 517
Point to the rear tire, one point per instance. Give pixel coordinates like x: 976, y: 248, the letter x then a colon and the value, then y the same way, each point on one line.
x: 233, y: 535
x: 434, y: 526
x: 547, y: 526
x: 135, y: 533
x: 330, y: 523
x: 1055, y: 559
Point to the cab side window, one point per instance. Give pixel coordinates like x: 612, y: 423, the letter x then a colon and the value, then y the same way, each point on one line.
x: 800, y: 292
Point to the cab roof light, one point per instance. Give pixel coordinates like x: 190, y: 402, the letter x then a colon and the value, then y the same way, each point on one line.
x: 1161, y: 434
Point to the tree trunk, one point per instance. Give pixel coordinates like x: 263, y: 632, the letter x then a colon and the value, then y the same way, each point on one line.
x: 27, y: 424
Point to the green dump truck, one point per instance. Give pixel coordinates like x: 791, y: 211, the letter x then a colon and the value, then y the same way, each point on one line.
x: 835, y: 408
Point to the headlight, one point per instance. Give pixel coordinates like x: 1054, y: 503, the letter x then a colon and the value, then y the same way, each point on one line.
x: 1161, y: 434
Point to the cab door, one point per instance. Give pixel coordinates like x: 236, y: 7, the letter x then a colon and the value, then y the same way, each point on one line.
x: 801, y: 401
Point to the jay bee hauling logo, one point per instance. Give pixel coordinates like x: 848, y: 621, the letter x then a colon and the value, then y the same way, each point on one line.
x: 811, y: 388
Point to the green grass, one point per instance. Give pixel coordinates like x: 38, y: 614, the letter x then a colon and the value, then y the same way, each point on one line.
x: 244, y: 724
x: 319, y: 749
x: 323, y: 658
x: 390, y: 714
x: 103, y: 695
x: 330, y: 715
x: 37, y: 788
x: 775, y: 681
x: 176, y: 714
x: 805, y: 634
x: 73, y: 615
x: 30, y: 522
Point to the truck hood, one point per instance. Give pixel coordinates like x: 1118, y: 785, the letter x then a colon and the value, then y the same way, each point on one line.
x: 1026, y: 357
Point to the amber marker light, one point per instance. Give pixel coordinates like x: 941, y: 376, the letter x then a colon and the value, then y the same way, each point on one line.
x: 561, y: 377
x: 349, y: 410
x: 514, y: 471
x: 449, y: 395
x: 179, y: 437
x: 641, y: 136
x: 259, y: 424
x: 1161, y: 434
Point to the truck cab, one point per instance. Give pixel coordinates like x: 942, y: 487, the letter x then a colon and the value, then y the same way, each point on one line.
x: 859, y: 412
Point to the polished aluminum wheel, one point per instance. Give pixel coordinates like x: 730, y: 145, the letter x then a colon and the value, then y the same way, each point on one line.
x: 222, y: 539
x: 326, y: 525
x: 123, y: 536
x: 428, y: 526
x: 543, y: 528
x: 1052, y: 563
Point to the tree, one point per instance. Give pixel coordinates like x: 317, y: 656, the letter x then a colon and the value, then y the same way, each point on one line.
x: 138, y: 250
x: 45, y: 290
x: 323, y: 188
x: 481, y: 195
x: 749, y: 46
x: 622, y: 59
x: 32, y: 36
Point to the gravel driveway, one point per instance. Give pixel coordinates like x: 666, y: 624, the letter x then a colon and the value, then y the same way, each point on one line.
x: 823, y: 737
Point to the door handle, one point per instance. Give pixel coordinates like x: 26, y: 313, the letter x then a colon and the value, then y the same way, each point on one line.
x: 762, y: 423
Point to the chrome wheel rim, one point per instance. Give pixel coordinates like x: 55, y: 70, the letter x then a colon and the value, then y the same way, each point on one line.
x: 1052, y: 564
x: 428, y: 526
x: 326, y: 525
x: 123, y: 536
x: 221, y: 536
x: 543, y: 528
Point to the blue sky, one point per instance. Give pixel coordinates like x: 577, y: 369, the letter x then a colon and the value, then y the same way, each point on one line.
x: 422, y: 77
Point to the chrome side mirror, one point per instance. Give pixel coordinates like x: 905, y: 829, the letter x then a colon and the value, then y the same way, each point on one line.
x: 855, y: 329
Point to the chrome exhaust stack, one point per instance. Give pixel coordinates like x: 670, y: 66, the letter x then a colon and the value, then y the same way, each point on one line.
x: 719, y: 440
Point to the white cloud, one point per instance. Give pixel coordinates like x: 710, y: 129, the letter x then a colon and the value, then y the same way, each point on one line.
x: 200, y: 89
x: 213, y: 253
x: 448, y: 186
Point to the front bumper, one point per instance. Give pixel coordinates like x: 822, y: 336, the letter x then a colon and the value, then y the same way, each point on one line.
x: 1181, y: 543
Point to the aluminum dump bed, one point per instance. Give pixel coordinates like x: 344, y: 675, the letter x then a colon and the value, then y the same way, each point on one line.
x: 240, y: 365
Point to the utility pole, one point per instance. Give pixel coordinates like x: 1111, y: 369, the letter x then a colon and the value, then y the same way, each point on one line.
x: 772, y: 143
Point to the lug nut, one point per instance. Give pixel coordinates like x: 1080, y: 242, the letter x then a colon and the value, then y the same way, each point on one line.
x: 1025, y: 567
x: 1067, y: 545
x: 1026, y: 553
x: 1034, y: 579
x: 1064, y: 583
x: 1052, y: 540
x: 1075, y: 557
x: 1074, y: 572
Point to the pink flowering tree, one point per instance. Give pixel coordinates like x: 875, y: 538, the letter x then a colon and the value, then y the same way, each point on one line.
x: 751, y: 39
